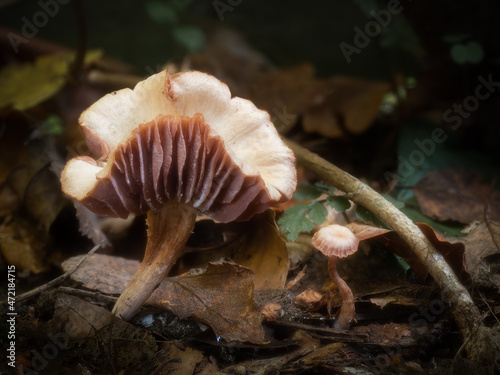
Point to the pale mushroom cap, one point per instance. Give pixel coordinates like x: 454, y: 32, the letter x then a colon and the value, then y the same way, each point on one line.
x: 189, y: 117
x: 335, y: 240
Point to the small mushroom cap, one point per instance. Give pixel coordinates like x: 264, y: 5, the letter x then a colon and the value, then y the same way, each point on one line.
x: 335, y: 240
x: 180, y: 137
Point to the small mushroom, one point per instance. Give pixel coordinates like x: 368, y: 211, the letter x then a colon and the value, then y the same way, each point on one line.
x: 336, y: 241
x: 173, y: 147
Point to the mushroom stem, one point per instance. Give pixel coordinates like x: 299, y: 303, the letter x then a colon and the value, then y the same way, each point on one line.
x: 347, y: 310
x: 168, y: 231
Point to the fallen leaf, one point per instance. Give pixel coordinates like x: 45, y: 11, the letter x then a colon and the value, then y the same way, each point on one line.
x: 327, y: 106
x: 179, y: 362
x: 365, y: 232
x: 339, y: 106
x: 304, y: 344
x: 320, y: 355
x: 104, y: 273
x: 482, y: 246
x: 221, y: 296
x: 263, y: 250
x: 125, y: 345
x: 456, y: 195
x: 43, y: 198
x: 22, y: 244
x: 256, y: 244
x: 82, y: 319
x: 26, y: 85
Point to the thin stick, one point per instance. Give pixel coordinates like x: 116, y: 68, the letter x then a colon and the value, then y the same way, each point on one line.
x: 57, y: 280
x: 464, y: 311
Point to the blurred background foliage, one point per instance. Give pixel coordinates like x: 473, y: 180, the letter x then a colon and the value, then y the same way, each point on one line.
x: 431, y: 54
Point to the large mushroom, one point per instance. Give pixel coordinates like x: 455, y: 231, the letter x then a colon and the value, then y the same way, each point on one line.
x: 174, y: 146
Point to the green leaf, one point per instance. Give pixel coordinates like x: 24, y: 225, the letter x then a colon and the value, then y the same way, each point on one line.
x: 162, y: 12
x: 318, y: 213
x: 339, y: 203
x: 190, y: 37
x: 52, y: 125
x: 471, y: 52
x: 307, y: 192
x: 295, y: 220
x: 394, y: 201
x: 326, y: 188
x: 368, y: 217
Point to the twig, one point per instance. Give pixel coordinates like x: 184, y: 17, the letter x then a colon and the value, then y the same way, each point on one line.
x: 464, y: 311
x: 86, y: 293
x: 57, y: 280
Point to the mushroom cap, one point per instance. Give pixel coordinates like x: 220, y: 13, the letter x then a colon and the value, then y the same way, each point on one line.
x: 335, y: 240
x: 180, y: 137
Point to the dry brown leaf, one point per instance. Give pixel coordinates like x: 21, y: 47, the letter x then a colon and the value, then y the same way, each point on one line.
x: 22, y: 245
x: 256, y: 244
x: 263, y: 250
x: 304, y: 344
x: 124, y: 344
x: 104, y: 273
x: 43, y: 198
x: 456, y: 195
x: 221, y: 296
x: 365, y: 232
x: 346, y: 104
x: 482, y: 244
x: 82, y: 319
x: 328, y: 106
x: 185, y: 362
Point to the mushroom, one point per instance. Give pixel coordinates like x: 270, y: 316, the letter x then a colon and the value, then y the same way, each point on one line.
x: 172, y: 147
x: 336, y: 241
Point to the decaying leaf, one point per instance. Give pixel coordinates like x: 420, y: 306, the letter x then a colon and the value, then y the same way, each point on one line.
x: 339, y: 106
x: 456, y: 195
x: 104, y: 273
x: 365, y: 232
x: 179, y: 362
x: 328, y: 106
x: 102, y: 334
x: 43, y: 198
x: 482, y: 249
x: 221, y: 296
x: 22, y: 245
x: 82, y: 319
x: 256, y: 244
x: 26, y: 85
x: 263, y: 250
x: 32, y: 200
x: 304, y: 344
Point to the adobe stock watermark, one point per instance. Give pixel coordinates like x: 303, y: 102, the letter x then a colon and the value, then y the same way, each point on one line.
x: 39, y: 19
x: 419, y: 319
x: 282, y: 119
x: 454, y: 117
x: 372, y: 29
x: 223, y: 6
x: 50, y: 350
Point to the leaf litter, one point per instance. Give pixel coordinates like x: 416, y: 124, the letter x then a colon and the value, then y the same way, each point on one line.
x: 237, y: 316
